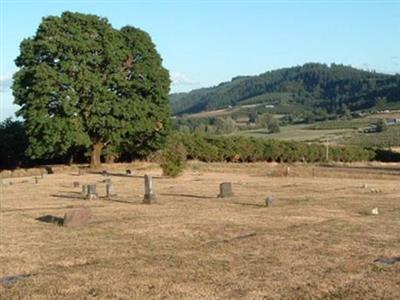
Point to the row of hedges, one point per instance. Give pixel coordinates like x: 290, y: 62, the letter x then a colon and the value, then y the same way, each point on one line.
x: 249, y: 149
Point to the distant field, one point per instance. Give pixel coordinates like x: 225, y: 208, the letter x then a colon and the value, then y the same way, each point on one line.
x: 298, y: 133
x: 388, y: 138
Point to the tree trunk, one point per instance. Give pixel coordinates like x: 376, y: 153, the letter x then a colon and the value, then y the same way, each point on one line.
x: 95, y: 157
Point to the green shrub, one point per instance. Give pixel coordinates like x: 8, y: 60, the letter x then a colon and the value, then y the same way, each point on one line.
x: 173, y: 158
x: 244, y: 149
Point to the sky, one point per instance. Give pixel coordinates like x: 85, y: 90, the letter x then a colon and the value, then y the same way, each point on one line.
x: 203, y: 43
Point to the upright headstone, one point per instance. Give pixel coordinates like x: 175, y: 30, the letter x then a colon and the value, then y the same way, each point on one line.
x: 77, y: 217
x: 225, y: 190
x: 128, y: 172
x: 36, y: 179
x: 110, y: 189
x: 268, y: 201
x: 84, y: 190
x: 149, y: 195
x: 75, y: 184
x: 91, y: 192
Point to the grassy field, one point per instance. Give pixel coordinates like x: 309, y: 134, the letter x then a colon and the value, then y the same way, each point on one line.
x: 299, y: 133
x: 318, y: 240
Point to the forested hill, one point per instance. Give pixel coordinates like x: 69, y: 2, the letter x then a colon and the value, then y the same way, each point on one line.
x: 314, y: 86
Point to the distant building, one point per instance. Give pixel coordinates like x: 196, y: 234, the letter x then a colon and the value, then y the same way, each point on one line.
x: 392, y: 121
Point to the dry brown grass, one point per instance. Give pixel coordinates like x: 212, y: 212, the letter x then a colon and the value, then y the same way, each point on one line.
x: 317, y: 241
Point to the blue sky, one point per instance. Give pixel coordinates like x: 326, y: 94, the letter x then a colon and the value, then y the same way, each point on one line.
x: 206, y: 42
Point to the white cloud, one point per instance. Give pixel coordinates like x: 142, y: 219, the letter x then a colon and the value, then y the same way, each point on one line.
x: 181, y: 79
x: 5, y: 82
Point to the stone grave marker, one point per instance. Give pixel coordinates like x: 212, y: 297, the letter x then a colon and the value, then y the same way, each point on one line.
x: 77, y: 217
x: 84, y: 190
x: 110, y: 189
x: 225, y: 190
x: 149, y: 195
x: 36, y: 180
x: 128, y: 172
x: 104, y: 173
x: 268, y: 201
x: 76, y: 184
x: 91, y: 191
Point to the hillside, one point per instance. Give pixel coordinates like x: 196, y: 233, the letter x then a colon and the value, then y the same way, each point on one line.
x: 334, y: 89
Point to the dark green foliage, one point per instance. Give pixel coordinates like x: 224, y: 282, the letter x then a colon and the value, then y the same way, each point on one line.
x: 83, y: 83
x: 244, y: 149
x: 337, y: 89
x: 13, y: 144
x: 173, y: 158
x: 381, y: 125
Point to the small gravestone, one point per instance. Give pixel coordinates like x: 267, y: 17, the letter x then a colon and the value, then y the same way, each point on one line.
x: 36, y: 180
x: 128, y: 172
x: 77, y: 217
x: 287, y: 171
x: 110, y: 190
x: 149, y: 195
x: 268, y: 201
x: 375, y: 211
x: 91, y: 192
x: 365, y: 186
x: 104, y: 173
x: 225, y: 190
x: 84, y: 190
x: 75, y: 184
x: 81, y: 171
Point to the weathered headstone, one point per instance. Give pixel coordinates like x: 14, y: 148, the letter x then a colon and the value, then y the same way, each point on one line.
x: 84, y: 190
x: 77, y: 217
x: 149, y: 195
x: 128, y: 172
x: 110, y: 190
x: 268, y: 201
x: 75, y: 184
x: 91, y: 192
x: 375, y: 211
x: 36, y: 180
x: 225, y: 190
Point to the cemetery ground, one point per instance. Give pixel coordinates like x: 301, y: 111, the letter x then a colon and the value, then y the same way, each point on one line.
x: 318, y: 239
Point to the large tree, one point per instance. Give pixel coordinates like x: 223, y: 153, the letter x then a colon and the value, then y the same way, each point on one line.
x: 83, y: 83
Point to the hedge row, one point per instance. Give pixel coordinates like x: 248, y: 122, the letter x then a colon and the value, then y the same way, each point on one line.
x: 249, y: 149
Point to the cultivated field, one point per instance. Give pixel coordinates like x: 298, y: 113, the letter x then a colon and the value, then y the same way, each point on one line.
x: 319, y: 240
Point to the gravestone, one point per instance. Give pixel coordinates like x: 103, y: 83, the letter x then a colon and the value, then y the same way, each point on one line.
x: 128, y: 172
x: 77, y: 217
x: 36, y: 180
x: 110, y: 190
x: 104, y: 173
x: 75, y: 184
x: 84, y: 190
x: 149, y: 195
x: 375, y: 211
x: 225, y: 190
x: 268, y: 201
x: 91, y: 192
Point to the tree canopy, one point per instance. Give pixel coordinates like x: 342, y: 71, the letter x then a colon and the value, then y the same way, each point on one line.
x: 82, y: 83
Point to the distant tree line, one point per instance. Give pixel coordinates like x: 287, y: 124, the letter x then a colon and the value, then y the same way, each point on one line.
x: 334, y: 89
